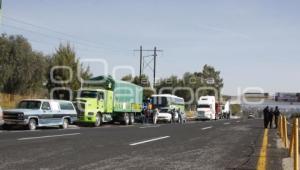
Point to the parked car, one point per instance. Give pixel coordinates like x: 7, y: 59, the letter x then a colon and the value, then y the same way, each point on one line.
x: 40, y: 113
x: 164, y: 115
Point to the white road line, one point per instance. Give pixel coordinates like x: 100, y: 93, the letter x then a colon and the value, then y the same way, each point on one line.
x: 52, y: 136
x: 144, y: 127
x: 20, y: 131
x: 227, y: 123
x: 150, y: 140
x: 71, y: 128
x: 209, y: 127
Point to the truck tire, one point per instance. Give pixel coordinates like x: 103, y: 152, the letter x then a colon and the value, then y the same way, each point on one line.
x: 65, y: 124
x: 126, y: 119
x: 98, y: 120
x: 131, y: 120
x: 32, y: 124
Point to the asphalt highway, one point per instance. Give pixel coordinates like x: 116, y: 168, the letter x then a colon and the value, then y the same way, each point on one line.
x: 222, y: 144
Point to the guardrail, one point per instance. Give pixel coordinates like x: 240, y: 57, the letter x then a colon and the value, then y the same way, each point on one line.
x: 294, y: 140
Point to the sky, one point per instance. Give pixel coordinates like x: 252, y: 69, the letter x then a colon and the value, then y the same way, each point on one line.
x: 254, y: 43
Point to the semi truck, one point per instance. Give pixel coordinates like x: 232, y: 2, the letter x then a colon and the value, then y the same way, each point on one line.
x: 208, y: 108
x: 105, y: 99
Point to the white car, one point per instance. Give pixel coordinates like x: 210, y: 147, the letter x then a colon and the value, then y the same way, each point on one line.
x: 166, y: 116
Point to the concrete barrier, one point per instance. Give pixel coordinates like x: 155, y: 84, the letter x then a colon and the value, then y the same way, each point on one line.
x: 293, y: 146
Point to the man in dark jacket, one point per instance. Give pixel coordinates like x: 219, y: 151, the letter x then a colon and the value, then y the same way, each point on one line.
x: 276, y: 114
x: 271, y: 114
x: 266, y: 115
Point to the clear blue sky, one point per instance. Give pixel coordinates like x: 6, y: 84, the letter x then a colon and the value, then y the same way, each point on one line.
x: 252, y: 42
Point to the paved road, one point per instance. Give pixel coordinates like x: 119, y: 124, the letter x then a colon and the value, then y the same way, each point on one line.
x: 224, y: 144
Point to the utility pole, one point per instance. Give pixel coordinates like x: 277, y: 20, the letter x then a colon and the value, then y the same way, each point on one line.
x: 154, y: 69
x: 146, y: 61
x: 141, y: 60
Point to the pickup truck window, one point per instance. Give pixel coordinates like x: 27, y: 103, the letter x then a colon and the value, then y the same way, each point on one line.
x: 66, y: 106
x: 55, y: 106
x: 46, y: 106
x: 29, y: 105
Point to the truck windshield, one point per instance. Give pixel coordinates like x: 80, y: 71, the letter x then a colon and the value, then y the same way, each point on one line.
x: 29, y: 105
x: 160, y: 102
x: 203, y: 106
x: 88, y: 94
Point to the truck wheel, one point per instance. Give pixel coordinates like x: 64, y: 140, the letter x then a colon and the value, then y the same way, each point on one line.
x: 131, y: 121
x: 98, y: 120
x: 65, y: 124
x: 126, y: 119
x: 32, y: 124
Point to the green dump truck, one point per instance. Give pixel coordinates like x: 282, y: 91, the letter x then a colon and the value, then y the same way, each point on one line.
x: 108, y: 100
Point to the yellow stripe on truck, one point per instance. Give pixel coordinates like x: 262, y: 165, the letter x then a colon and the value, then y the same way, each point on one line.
x: 261, y: 164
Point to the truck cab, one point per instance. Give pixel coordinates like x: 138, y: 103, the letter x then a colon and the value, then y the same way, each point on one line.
x: 93, y: 105
x: 206, y: 108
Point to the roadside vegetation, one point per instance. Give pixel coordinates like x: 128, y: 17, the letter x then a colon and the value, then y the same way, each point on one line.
x: 26, y: 72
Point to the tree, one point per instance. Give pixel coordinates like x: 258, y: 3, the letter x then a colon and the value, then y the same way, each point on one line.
x: 209, y: 72
x: 143, y: 81
x: 21, y: 69
x: 64, y: 67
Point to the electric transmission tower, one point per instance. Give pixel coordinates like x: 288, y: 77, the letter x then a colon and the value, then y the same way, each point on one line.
x: 148, y: 62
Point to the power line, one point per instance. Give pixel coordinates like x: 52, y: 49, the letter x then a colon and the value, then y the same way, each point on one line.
x: 57, y: 32
x: 46, y: 35
x: 53, y: 44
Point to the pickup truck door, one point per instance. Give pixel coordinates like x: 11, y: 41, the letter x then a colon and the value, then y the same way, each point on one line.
x: 45, y: 118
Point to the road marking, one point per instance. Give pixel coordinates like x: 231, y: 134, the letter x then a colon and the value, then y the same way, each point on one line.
x: 19, y: 131
x: 70, y: 128
x: 209, y: 127
x: 154, y: 126
x: 150, y: 140
x: 52, y: 136
x: 261, y: 165
x: 227, y: 123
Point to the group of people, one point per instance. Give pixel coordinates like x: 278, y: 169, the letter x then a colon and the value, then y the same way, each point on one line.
x: 271, y: 114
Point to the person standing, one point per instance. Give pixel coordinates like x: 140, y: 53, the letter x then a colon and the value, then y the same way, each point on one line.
x: 276, y: 114
x: 179, y: 116
x: 155, y: 114
x: 266, y: 115
x: 271, y: 114
x: 173, y: 112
